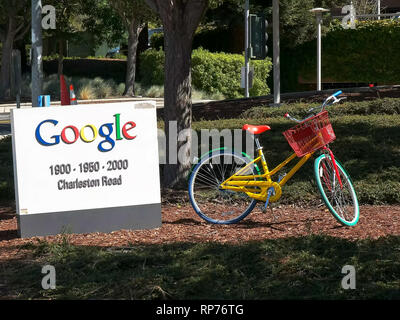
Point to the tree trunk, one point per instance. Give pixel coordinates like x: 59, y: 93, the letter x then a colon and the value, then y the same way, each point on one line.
x: 60, y: 57
x: 134, y: 31
x: 180, y: 20
x: 177, y: 106
x: 24, y: 59
x: 6, y: 51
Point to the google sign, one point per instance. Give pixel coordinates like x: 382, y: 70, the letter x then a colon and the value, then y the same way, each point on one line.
x: 86, y: 168
x: 105, y: 131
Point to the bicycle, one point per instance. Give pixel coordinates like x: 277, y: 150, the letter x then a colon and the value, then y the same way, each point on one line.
x: 225, y: 186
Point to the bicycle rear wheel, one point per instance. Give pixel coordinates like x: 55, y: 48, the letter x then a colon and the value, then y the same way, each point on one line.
x: 209, y: 200
x: 341, y: 201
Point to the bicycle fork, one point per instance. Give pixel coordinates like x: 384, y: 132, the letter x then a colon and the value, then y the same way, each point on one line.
x: 334, y: 165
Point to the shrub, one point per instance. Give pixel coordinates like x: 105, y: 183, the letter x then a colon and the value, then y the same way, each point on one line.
x: 121, y: 88
x: 202, y: 95
x: 214, y: 73
x: 155, y: 91
x: 378, y: 106
x: 107, y: 89
x: 367, y: 145
x: 368, y: 53
x: 87, y: 93
x: 157, y: 41
x: 84, y: 88
x: 152, y: 67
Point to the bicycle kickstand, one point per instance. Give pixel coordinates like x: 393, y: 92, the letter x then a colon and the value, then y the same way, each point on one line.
x: 264, y: 208
x: 270, y: 191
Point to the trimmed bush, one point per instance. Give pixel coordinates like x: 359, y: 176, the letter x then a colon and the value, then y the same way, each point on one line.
x: 157, y: 41
x: 211, y: 72
x: 89, y: 68
x: 367, y: 54
x: 299, y: 110
x: 366, y: 144
x: 152, y: 67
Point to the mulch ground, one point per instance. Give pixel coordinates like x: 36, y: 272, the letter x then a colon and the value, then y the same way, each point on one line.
x: 181, y: 224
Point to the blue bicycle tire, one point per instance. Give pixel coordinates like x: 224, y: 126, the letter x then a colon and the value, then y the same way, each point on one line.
x: 192, y: 181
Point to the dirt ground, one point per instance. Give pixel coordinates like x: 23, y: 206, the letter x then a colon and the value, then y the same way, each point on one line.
x: 181, y: 223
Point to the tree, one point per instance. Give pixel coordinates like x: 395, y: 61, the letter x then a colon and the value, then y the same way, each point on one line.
x: 134, y: 14
x: 67, y: 28
x: 109, y: 20
x: 366, y: 6
x: 101, y: 20
x: 68, y: 25
x: 14, y: 24
x: 180, y: 19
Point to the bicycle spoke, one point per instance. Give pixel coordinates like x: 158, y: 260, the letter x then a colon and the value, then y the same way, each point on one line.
x: 212, y: 201
x: 341, y: 198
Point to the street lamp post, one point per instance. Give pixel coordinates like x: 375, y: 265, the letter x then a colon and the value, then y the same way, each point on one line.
x: 318, y: 12
x: 246, y: 48
x: 379, y: 9
x: 36, y: 56
x: 276, y: 54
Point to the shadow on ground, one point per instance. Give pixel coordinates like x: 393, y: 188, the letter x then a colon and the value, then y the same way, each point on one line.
x: 290, y: 268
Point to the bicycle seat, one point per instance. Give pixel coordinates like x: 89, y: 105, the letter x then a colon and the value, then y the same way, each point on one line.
x: 256, y: 129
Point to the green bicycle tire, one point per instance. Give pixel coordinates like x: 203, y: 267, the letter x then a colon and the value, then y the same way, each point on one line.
x: 334, y: 203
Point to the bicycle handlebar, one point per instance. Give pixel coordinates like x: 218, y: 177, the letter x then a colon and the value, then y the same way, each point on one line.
x: 337, y: 93
x: 324, y: 104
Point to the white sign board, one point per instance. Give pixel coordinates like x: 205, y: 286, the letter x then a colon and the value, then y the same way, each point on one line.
x: 85, y: 157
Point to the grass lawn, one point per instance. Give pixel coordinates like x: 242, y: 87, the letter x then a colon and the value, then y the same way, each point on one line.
x: 309, y: 267
x: 367, y: 144
x: 292, y: 268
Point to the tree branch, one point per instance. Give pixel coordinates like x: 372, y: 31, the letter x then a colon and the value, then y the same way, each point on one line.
x: 153, y: 5
x: 194, y: 10
x: 121, y: 12
x: 2, y: 34
x: 24, y: 31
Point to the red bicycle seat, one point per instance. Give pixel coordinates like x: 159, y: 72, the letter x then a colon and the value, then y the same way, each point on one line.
x: 256, y: 129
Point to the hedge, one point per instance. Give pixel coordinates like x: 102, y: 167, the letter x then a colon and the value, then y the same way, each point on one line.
x: 89, y: 68
x: 369, y: 53
x: 367, y: 144
x: 211, y: 72
x: 386, y: 106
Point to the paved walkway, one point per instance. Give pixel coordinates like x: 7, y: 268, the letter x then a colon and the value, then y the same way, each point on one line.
x: 6, y: 108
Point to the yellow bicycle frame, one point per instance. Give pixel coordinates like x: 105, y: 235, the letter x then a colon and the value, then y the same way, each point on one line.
x: 256, y: 186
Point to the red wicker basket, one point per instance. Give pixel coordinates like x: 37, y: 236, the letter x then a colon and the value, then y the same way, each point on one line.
x: 311, y: 134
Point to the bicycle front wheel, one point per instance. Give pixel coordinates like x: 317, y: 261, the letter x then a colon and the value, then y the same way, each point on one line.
x: 341, y: 200
x: 209, y: 200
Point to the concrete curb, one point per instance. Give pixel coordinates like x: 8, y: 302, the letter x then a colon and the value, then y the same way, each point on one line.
x: 6, y: 108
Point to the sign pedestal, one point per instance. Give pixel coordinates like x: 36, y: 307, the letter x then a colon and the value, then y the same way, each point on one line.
x: 87, y: 221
